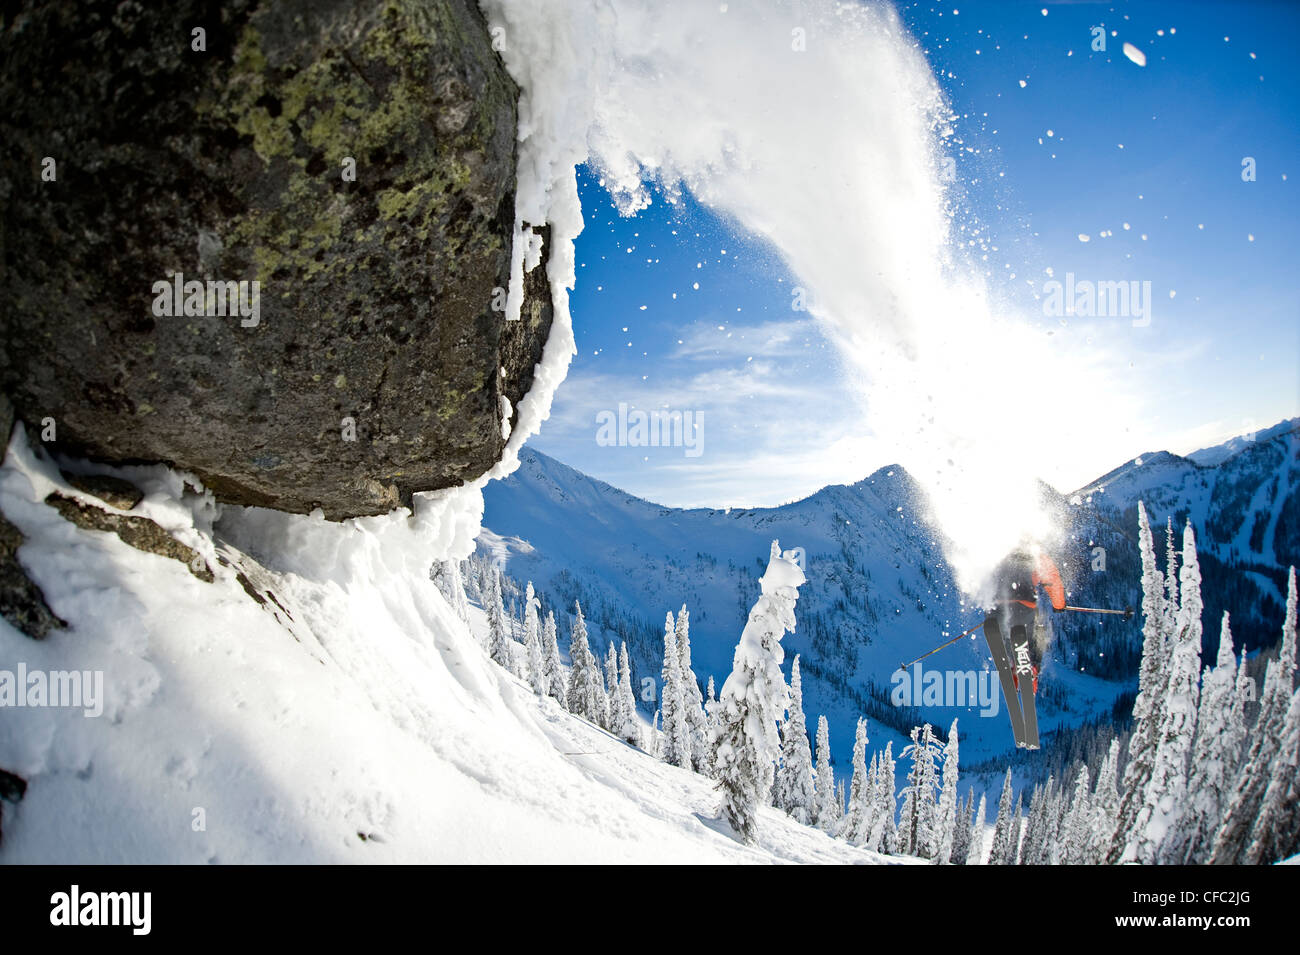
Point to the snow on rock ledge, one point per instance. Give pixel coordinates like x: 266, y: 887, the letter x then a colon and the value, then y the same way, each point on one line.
x: 318, y: 701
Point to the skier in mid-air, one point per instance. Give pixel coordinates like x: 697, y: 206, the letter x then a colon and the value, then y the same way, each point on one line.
x: 1013, y: 637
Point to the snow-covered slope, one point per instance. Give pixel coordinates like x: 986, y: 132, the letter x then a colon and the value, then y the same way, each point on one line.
x: 316, y: 702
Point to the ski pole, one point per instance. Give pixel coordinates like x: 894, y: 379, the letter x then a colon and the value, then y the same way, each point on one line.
x: 1127, y: 611
x: 942, y: 645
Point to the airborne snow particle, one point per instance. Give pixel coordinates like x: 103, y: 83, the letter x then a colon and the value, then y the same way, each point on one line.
x: 1083, y: 237
x: 1134, y: 54
x: 1023, y: 84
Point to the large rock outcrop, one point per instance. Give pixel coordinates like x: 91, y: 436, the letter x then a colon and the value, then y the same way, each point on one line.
x: 377, y: 294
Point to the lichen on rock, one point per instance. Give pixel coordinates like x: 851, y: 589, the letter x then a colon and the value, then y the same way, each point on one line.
x: 376, y: 293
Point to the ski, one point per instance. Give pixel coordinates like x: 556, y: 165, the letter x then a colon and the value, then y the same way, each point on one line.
x: 1025, y: 678
x: 993, y: 637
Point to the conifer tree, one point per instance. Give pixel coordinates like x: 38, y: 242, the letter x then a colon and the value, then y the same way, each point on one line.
x: 1216, y: 755
x: 1055, y: 833
x: 1147, y: 709
x: 1171, y: 583
x: 712, y: 722
x: 826, y: 813
x: 794, y: 780
x: 918, y: 827
x: 1076, y: 846
x: 616, y: 715
x: 677, y: 739
x: 531, y: 603
x: 499, y: 640
x: 1105, y: 803
x: 857, y: 821
x: 1243, y: 694
x: 533, y: 645
x: 1003, y: 847
x: 1233, y: 841
x: 1276, y: 833
x: 447, y: 576
x: 887, y: 809
x: 557, y: 684
x: 754, y: 698
x: 692, y: 700
x: 630, y: 731
x: 1157, y: 834
x: 962, y: 830
x: 947, y: 821
x: 586, y: 693
x: 1034, y: 846
x: 976, y: 854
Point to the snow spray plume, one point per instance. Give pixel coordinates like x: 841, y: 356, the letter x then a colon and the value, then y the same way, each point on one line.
x: 828, y: 143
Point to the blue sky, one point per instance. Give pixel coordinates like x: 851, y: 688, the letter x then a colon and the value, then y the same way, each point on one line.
x: 1158, y: 149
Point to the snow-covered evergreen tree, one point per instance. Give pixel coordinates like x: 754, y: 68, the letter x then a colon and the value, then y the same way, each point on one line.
x: 918, y: 827
x: 1105, y: 803
x: 754, y: 698
x: 1243, y: 694
x: 1276, y: 833
x: 533, y: 644
x: 447, y: 576
x: 887, y: 808
x: 1171, y: 583
x: 856, y: 827
x: 677, y: 732
x: 1005, y: 837
x: 616, y: 715
x: 947, y: 820
x: 962, y: 831
x: 692, y: 700
x: 630, y: 730
x: 1147, y: 712
x: 1157, y: 835
x: 1051, y: 825
x: 1220, y: 734
x: 557, y: 683
x: 826, y: 814
x: 499, y: 640
x: 1076, y: 848
x: 794, y: 780
x: 602, y: 694
x: 976, y: 854
x: 531, y: 605
x: 1233, y: 840
x: 712, y: 723
x: 586, y: 690
x: 1017, y: 831
x: 1033, y: 845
